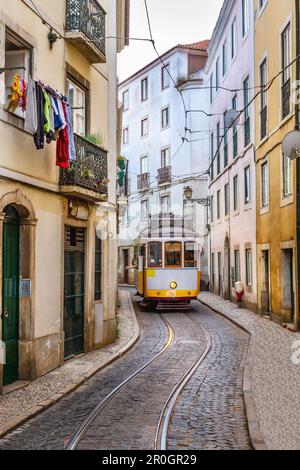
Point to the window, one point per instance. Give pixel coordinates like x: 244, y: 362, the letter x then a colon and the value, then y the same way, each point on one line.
x: 237, y: 266
x: 224, y: 56
x: 165, y: 157
x: 165, y: 117
x: 212, y: 272
x: 190, y: 255
x: 77, y: 97
x: 226, y: 199
x: 218, y: 204
x: 144, y: 89
x: 173, y: 255
x: 98, y: 268
x: 265, y: 185
x: 245, y: 16
x: 235, y: 130
x: 225, y: 140
x: 212, y: 215
x: 17, y: 54
x: 217, y: 74
x: 145, y: 210
x: 211, y: 82
x: 144, y: 165
x: 165, y: 76
x: 263, y: 99
x: 246, y: 113
x: 154, y: 255
x: 126, y: 100
x: 235, y: 193
x: 144, y: 127
x: 247, y: 176
x: 287, y: 176
x: 165, y: 204
x: 212, y: 156
x: 286, y: 74
x: 233, y: 39
x: 248, y: 267
x: 218, y: 149
x: 125, y: 136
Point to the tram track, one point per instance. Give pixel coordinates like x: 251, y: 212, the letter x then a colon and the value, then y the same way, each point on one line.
x: 79, y: 433
x: 161, y: 435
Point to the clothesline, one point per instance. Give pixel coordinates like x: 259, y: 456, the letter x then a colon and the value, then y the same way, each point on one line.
x: 48, y: 117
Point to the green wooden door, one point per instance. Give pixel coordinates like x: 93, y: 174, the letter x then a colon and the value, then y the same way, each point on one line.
x: 74, y: 291
x: 10, y: 293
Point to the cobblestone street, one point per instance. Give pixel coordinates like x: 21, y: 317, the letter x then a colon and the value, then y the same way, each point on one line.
x: 209, y: 413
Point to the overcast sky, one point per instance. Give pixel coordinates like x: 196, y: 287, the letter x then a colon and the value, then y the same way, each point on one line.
x: 173, y: 22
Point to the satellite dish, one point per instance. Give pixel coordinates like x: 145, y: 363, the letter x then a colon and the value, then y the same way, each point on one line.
x: 231, y: 118
x: 291, y: 145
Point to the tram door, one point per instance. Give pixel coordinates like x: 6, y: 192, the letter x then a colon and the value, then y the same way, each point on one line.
x: 74, y: 291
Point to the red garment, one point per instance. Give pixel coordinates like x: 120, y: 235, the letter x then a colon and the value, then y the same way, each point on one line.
x: 62, y: 145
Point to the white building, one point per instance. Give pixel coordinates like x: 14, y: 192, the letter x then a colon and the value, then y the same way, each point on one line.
x: 230, y: 73
x: 163, y: 155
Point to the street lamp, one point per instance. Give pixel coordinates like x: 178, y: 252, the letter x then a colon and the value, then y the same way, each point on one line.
x: 188, y: 196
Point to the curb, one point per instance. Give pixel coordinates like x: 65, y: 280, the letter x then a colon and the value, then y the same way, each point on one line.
x: 37, y: 409
x: 255, y: 434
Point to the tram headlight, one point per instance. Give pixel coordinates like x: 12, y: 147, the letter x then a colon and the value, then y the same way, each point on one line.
x: 173, y: 285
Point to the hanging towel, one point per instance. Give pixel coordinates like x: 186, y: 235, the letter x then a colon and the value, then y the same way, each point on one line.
x: 62, y: 144
x: 31, y: 108
x: 39, y: 136
x: 72, y: 148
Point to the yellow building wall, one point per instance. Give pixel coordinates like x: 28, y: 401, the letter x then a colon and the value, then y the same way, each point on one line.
x: 277, y: 225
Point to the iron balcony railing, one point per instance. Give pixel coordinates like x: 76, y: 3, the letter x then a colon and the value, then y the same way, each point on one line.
x: 88, y: 17
x: 164, y: 175
x: 286, y: 99
x: 89, y: 170
x: 263, y: 122
x: 143, y: 181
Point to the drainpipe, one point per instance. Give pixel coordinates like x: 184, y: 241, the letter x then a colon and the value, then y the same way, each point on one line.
x: 297, y: 127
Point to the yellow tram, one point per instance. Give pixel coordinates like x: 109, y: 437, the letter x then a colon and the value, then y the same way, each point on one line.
x: 168, y: 270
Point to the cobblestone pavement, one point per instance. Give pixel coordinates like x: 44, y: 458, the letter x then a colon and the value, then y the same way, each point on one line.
x: 22, y: 403
x: 209, y: 413
x: 275, y: 377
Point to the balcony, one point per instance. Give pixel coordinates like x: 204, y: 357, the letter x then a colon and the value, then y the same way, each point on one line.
x: 143, y: 182
x: 85, y: 28
x: 87, y: 176
x: 164, y: 175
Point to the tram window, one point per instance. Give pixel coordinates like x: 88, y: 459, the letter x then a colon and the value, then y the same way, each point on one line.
x: 173, y: 254
x: 190, y: 255
x: 155, y: 255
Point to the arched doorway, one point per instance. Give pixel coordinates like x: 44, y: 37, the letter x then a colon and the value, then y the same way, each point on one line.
x: 10, y: 293
x: 227, y: 289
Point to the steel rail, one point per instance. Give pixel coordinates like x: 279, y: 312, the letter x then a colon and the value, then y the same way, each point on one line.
x: 79, y: 433
x: 161, y: 436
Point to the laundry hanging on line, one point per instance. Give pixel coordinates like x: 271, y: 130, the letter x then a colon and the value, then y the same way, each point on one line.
x: 48, y: 117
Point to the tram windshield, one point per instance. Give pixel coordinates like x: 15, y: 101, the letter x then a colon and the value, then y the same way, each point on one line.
x: 190, y: 255
x: 154, y: 255
x: 173, y: 255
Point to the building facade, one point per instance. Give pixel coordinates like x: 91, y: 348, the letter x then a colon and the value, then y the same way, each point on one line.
x: 58, y: 256
x: 163, y: 154
x: 276, y: 174
x: 230, y: 75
